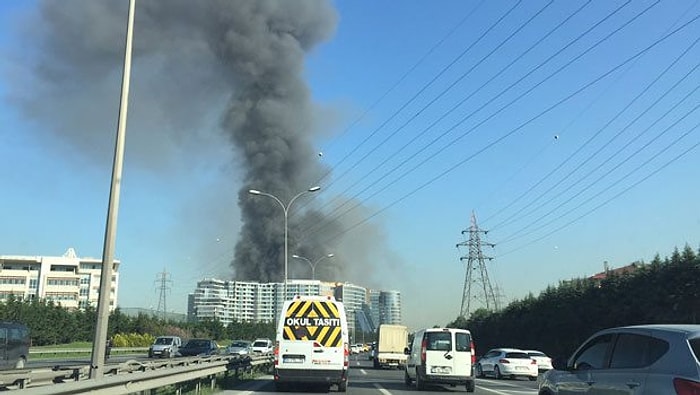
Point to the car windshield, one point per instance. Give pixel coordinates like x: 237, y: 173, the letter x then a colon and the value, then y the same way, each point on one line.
x: 239, y: 344
x: 260, y: 344
x: 163, y: 340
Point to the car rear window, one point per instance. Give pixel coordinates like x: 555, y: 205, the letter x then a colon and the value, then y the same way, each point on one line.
x: 518, y: 355
x: 439, y: 341
x: 537, y: 354
x: 695, y: 346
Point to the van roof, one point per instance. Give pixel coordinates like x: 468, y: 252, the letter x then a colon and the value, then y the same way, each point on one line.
x: 446, y: 330
x: 314, y: 297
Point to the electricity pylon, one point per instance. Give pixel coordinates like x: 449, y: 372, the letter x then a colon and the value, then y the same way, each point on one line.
x: 483, y: 291
x: 163, y: 287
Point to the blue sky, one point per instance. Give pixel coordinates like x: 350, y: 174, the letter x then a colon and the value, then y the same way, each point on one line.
x: 569, y: 152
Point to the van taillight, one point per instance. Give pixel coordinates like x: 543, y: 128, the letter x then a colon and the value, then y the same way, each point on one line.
x: 471, y: 345
x: 346, y: 356
x: 686, y: 387
x: 423, y: 347
x: 276, y: 353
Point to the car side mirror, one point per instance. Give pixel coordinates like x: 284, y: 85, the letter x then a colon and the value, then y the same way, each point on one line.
x: 559, y: 363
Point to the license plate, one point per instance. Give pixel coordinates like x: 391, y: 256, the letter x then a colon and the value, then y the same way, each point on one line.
x: 293, y: 360
x: 521, y: 368
x: 440, y: 369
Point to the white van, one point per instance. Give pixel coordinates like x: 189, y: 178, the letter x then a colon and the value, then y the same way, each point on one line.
x: 441, y: 356
x: 165, y: 346
x: 312, y: 343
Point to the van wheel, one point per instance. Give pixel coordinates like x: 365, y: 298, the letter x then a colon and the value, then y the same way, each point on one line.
x: 532, y: 378
x: 471, y: 386
x: 420, y: 385
x: 343, y: 386
x: 406, y: 378
x: 280, y: 387
x: 20, y: 363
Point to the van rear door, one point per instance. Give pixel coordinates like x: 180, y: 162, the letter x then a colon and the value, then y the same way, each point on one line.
x: 448, y: 353
x: 312, y: 336
x: 462, y: 362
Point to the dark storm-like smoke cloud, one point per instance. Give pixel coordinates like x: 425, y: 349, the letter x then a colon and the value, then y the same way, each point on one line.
x: 243, y: 62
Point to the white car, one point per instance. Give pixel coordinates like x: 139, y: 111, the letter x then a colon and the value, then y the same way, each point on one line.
x: 544, y: 363
x: 262, y: 346
x: 507, y: 362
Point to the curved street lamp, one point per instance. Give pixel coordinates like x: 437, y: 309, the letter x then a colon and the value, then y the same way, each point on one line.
x: 313, y: 264
x: 286, y: 222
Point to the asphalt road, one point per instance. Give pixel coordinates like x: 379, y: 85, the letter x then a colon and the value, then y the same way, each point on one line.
x: 365, y: 380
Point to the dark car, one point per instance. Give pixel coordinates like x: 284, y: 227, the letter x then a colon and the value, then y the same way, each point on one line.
x: 199, y: 347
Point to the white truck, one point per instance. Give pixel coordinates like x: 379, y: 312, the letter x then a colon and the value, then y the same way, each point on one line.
x: 392, y: 340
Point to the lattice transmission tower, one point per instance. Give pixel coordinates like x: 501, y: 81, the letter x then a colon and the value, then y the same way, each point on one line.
x: 163, y: 286
x: 476, y: 286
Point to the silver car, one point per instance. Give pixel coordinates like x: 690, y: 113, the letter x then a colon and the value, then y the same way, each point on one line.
x: 639, y: 360
x: 240, y: 347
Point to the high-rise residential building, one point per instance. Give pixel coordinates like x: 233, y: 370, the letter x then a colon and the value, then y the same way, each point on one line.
x: 238, y: 301
x: 68, y: 280
x: 390, y: 307
x: 374, y: 307
x: 353, y: 298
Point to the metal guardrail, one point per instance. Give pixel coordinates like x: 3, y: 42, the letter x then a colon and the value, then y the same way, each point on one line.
x: 128, y: 377
x: 57, y: 351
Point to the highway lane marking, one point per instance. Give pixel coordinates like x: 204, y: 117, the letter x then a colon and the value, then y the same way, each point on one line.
x: 503, y: 383
x: 382, y: 389
x: 363, y: 371
x: 494, y: 391
x: 521, y: 390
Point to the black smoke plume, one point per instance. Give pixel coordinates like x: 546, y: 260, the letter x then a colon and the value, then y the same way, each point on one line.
x: 203, y: 72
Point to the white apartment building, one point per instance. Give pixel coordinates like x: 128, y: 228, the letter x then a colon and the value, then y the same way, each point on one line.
x: 68, y: 280
x: 240, y: 301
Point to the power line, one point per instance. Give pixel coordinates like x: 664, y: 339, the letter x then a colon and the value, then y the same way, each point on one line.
x: 511, y: 219
x: 391, y: 89
x: 417, y: 94
x: 442, y: 174
x: 689, y: 149
x: 500, y: 94
x: 518, y: 234
x: 435, y: 99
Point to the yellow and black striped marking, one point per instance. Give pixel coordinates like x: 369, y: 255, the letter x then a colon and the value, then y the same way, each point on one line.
x: 313, y: 320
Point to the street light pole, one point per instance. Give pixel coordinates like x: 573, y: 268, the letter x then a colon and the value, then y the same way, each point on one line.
x: 313, y: 264
x: 285, y: 208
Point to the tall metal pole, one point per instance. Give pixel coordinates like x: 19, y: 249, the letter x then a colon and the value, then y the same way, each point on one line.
x: 100, y: 341
x: 285, y: 208
x: 314, y: 263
